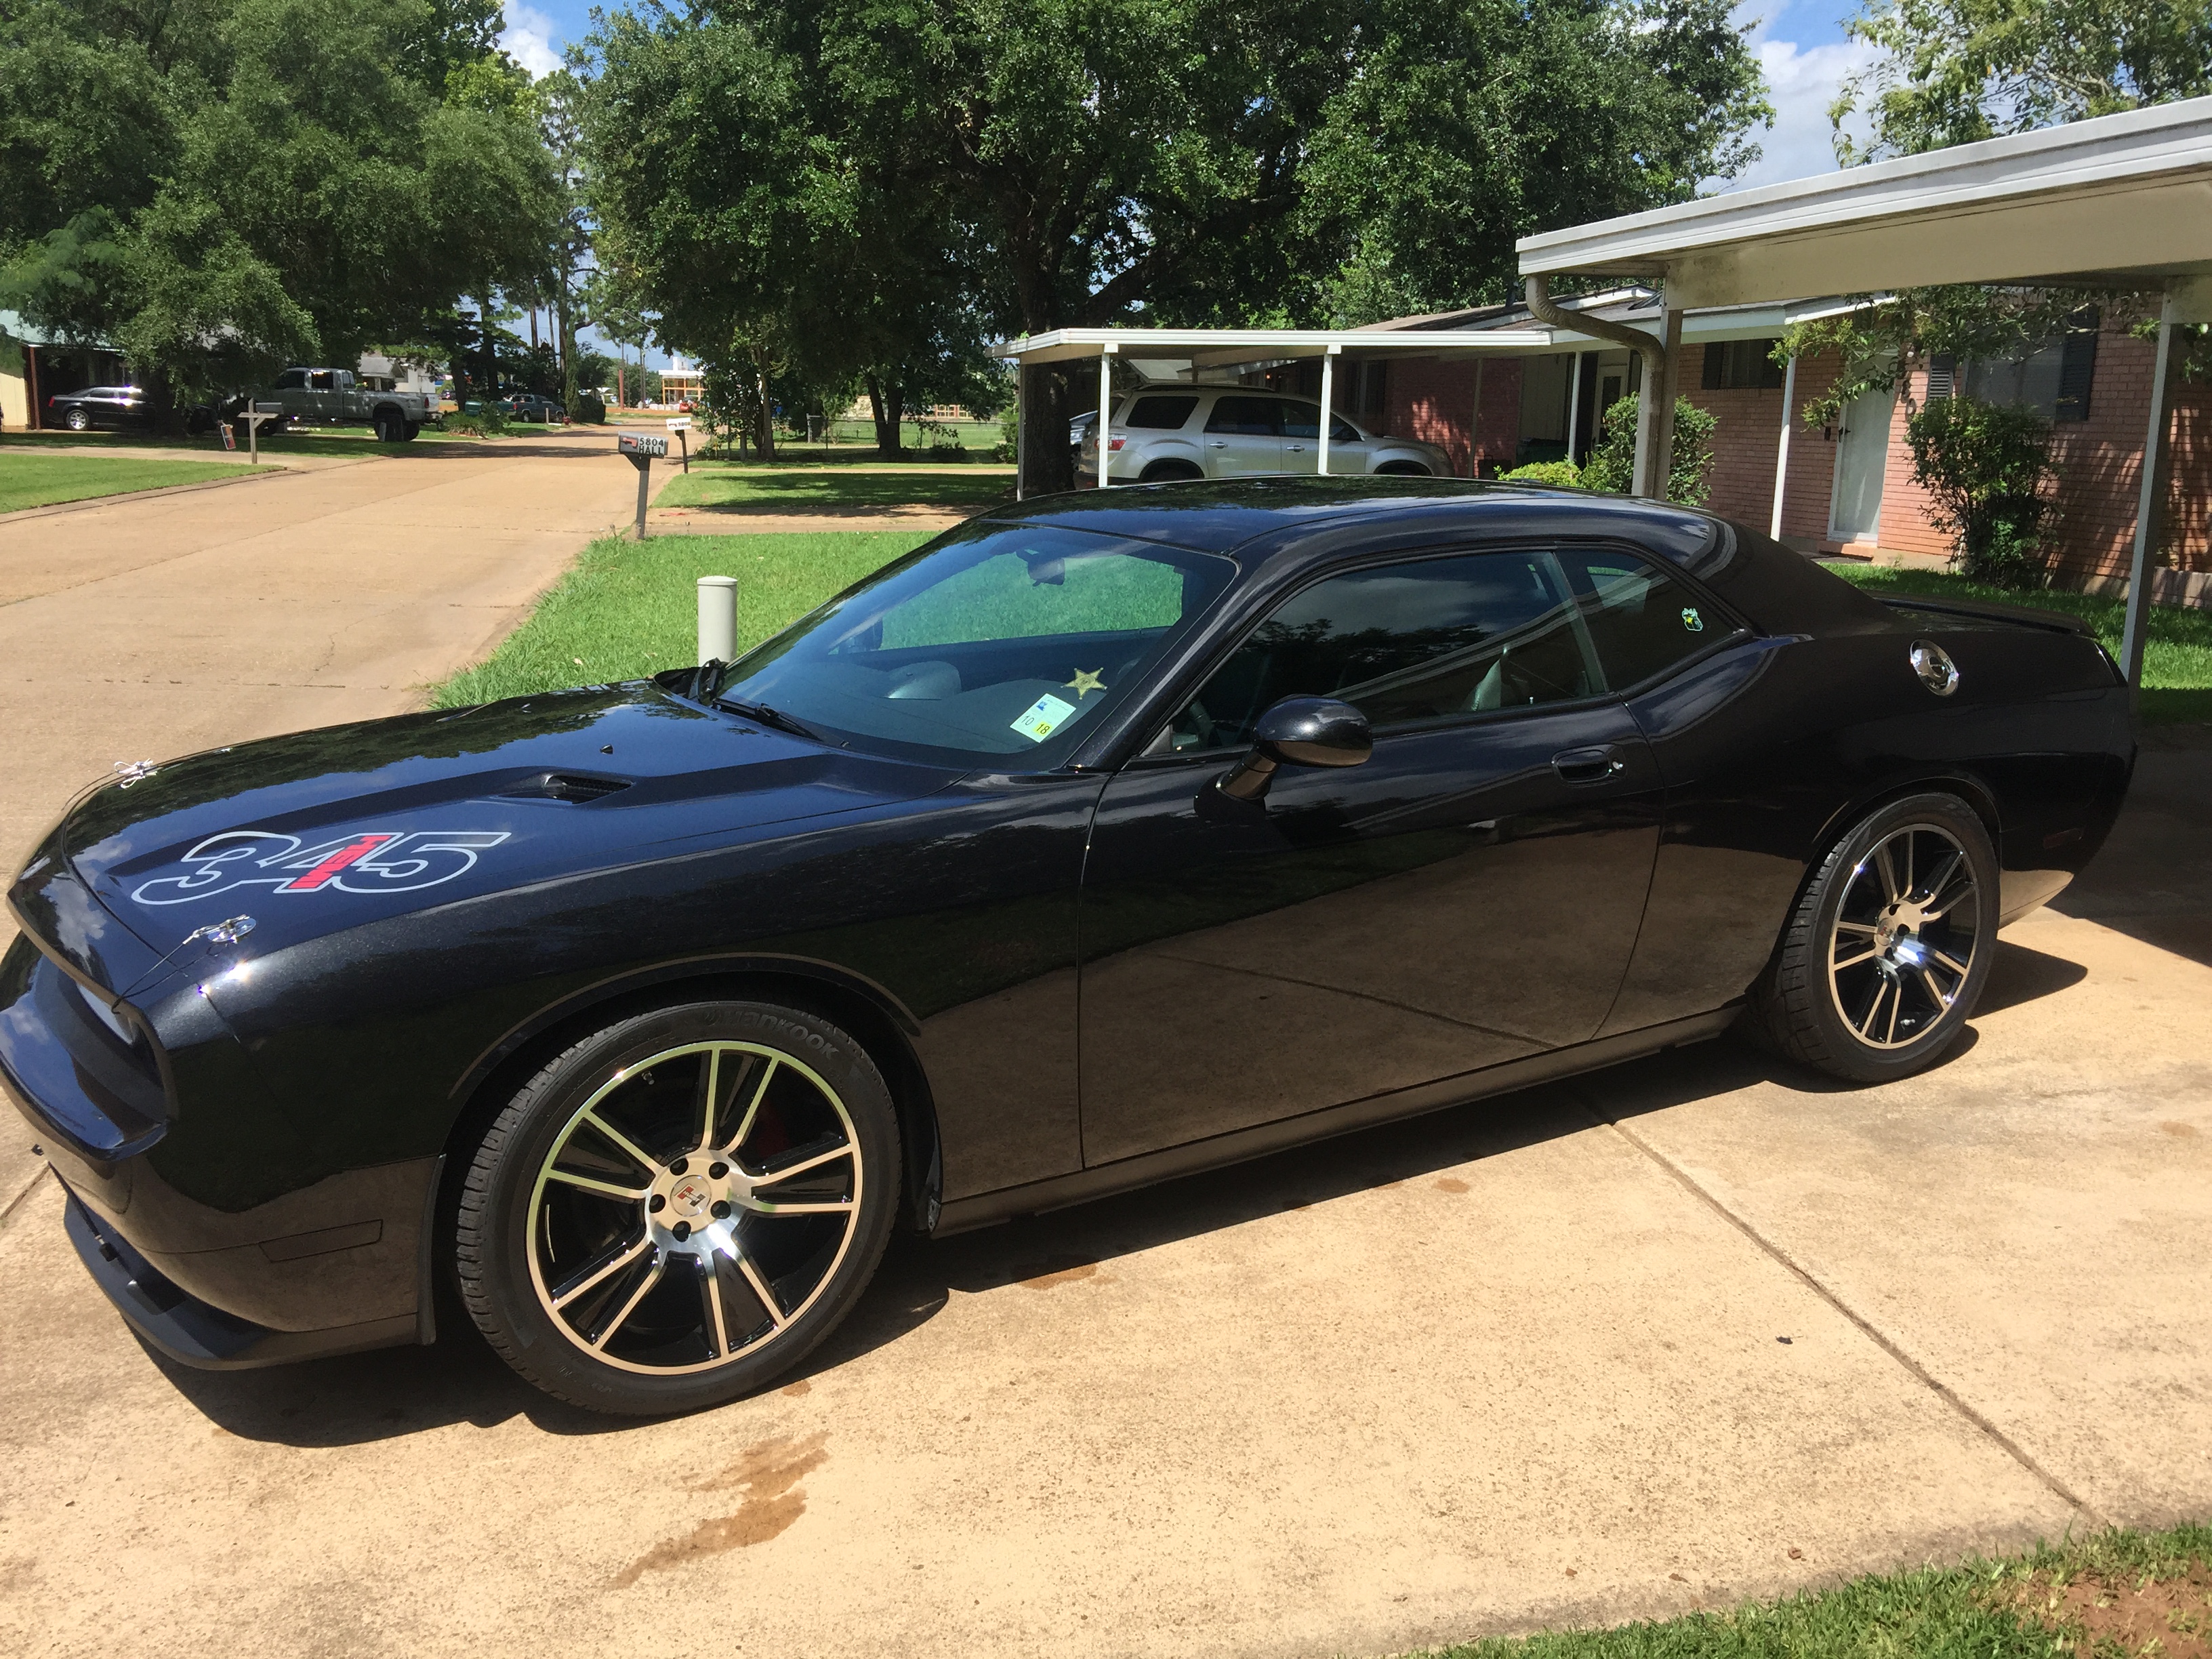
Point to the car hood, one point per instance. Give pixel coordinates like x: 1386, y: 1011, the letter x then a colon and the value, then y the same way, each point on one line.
x: 319, y: 831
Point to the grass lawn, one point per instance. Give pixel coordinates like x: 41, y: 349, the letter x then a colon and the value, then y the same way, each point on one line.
x: 2117, y: 1595
x: 42, y: 480
x: 740, y: 487
x: 629, y: 609
x: 2177, y: 657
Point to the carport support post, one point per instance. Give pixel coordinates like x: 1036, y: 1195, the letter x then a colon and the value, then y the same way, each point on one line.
x: 1327, y: 387
x: 1105, y: 413
x: 1782, y: 449
x: 1574, y: 403
x: 1655, y: 421
x: 1021, y: 430
x: 2150, y: 506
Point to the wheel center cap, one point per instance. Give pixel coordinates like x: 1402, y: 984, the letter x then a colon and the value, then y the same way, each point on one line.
x: 690, y: 1197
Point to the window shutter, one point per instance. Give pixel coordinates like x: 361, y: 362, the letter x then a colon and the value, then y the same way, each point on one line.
x: 1942, y: 377
x: 2077, y: 370
x: 1716, y: 366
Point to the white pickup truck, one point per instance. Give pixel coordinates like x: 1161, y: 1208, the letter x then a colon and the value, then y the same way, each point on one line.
x: 336, y: 397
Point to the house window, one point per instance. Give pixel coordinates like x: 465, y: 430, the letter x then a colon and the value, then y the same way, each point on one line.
x: 2053, y: 379
x: 1733, y: 364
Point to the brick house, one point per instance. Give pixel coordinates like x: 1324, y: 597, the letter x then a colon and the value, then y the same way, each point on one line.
x: 1847, y: 490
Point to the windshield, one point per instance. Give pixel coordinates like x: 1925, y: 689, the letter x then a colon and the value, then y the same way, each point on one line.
x: 994, y: 642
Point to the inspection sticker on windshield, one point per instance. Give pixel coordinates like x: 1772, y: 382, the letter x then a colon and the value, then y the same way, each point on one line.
x: 1043, y: 718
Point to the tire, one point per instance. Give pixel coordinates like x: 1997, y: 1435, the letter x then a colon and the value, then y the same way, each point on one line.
x: 77, y: 421
x: 386, y: 423
x: 1169, y: 473
x: 574, y: 1246
x: 1890, y: 946
x: 1402, y: 470
x: 413, y: 431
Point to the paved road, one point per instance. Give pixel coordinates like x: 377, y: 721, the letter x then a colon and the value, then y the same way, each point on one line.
x: 1692, y: 1329
x: 141, y: 628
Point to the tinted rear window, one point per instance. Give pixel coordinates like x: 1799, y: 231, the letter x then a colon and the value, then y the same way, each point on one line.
x: 1162, y: 414
x: 1254, y: 416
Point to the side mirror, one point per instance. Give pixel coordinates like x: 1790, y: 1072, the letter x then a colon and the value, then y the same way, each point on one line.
x: 1304, y: 731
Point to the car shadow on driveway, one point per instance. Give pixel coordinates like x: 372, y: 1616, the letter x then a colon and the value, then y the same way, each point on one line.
x: 398, y: 1391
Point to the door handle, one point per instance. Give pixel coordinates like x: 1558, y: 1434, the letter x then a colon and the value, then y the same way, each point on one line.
x: 1592, y: 765
x: 1217, y: 444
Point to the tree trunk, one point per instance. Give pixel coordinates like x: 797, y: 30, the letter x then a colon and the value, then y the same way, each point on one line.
x: 1046, y: 463
x: 490, y: 349
x: 887, y: 400
x: 565, y: 321
x: 765, y: 428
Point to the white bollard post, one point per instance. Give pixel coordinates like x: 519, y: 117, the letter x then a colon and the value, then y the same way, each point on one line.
x: 718, y: 619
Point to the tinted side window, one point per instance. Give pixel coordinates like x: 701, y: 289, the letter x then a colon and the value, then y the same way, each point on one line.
x: 1427, y: 640
x: 1162, y: 414
x: 291, y: 379
x: 1302, y: 420
x: 1641, y: 620
x: 1252, y: 417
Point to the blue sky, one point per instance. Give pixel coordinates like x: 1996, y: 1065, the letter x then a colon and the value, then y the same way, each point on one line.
x: 1800, y: 43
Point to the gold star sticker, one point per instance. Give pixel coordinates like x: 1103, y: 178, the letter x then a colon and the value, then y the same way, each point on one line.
x: 1086, y: 681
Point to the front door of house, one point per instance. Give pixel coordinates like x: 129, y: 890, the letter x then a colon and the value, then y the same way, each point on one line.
x: 1862, y: 457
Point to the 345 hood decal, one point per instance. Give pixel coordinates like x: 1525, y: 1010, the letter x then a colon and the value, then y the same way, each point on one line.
x: 370, y: 861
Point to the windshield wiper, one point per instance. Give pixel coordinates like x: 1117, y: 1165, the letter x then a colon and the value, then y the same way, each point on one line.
x: 777, y: 718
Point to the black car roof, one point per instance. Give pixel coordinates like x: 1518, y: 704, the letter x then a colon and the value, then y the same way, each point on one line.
x: 1219, y: 516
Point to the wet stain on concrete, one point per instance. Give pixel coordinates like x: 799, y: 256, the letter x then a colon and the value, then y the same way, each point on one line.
x: 1451, y: 1184
x: 2179, y: 1130
x: 768, y: 1474
x: 798, y: 1389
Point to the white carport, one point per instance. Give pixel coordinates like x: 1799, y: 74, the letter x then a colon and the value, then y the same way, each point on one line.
x: 2124, y: 201
x: 1229, y: 348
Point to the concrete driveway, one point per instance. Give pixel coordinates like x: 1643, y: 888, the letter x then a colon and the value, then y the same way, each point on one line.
x: 1691, y: 1329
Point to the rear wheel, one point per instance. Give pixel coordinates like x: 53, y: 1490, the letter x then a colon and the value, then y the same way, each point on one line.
x: 679, y: 1207
x: 76, y: 421
x: 1402, y: 470
x: 1890, y: 946
x: 387, y: 425
x: 414, y: 430
x: 1169, y: 473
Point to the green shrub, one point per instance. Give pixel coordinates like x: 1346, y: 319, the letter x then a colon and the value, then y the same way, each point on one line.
x: 1985, y: 466
x: 482, y: 422
x: 1611, y: 468
x: 1564, y: 474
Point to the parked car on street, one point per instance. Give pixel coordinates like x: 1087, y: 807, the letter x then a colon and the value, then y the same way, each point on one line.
x: 529, y: 406
x: 1164, y: 433
x: 335, y: 397
x: 103, y: 407
x: 643, y: 1013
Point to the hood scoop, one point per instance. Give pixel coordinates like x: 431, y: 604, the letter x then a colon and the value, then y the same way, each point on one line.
x: 576, y: 786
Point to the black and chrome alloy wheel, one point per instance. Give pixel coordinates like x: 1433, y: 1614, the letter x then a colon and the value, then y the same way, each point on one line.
x: 676, y: 1209
x: 1902, y: 946
x: 1889, y: 946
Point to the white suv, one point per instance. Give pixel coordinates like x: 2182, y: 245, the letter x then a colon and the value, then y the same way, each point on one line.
x: 1167, y: 432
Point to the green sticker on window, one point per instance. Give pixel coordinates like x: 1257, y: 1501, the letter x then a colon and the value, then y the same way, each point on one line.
x: 1691, y: 620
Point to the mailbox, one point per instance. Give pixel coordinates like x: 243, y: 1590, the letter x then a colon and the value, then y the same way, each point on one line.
x: 647, y: 444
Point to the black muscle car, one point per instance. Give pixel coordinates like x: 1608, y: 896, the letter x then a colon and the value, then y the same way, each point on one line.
x: 1114, y: 835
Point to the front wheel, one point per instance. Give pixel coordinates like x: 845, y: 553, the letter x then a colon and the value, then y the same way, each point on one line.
x: 76, y: 421
x: 1888, y: 948
x: 679, y: 1208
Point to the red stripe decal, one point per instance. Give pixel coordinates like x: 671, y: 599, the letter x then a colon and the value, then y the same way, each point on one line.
x: 336, y: 861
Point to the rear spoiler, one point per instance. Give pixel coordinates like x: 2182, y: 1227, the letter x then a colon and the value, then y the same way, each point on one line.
x: 2025, y: 615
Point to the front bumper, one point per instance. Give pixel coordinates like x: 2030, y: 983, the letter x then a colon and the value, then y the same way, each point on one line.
x: 192, y: 1332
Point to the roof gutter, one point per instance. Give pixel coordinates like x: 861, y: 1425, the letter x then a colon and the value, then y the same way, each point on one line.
x: 1548, y: 311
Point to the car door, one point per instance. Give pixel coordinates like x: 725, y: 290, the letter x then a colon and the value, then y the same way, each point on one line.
x: 325, y: 402
x: 289, y: 393
x: 1466, y: 896
x: 1347, y: 450
x: 1242, y: 437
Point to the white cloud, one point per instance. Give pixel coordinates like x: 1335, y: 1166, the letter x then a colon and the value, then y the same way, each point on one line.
x: 532, y: 39
x: 1801, y: 82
